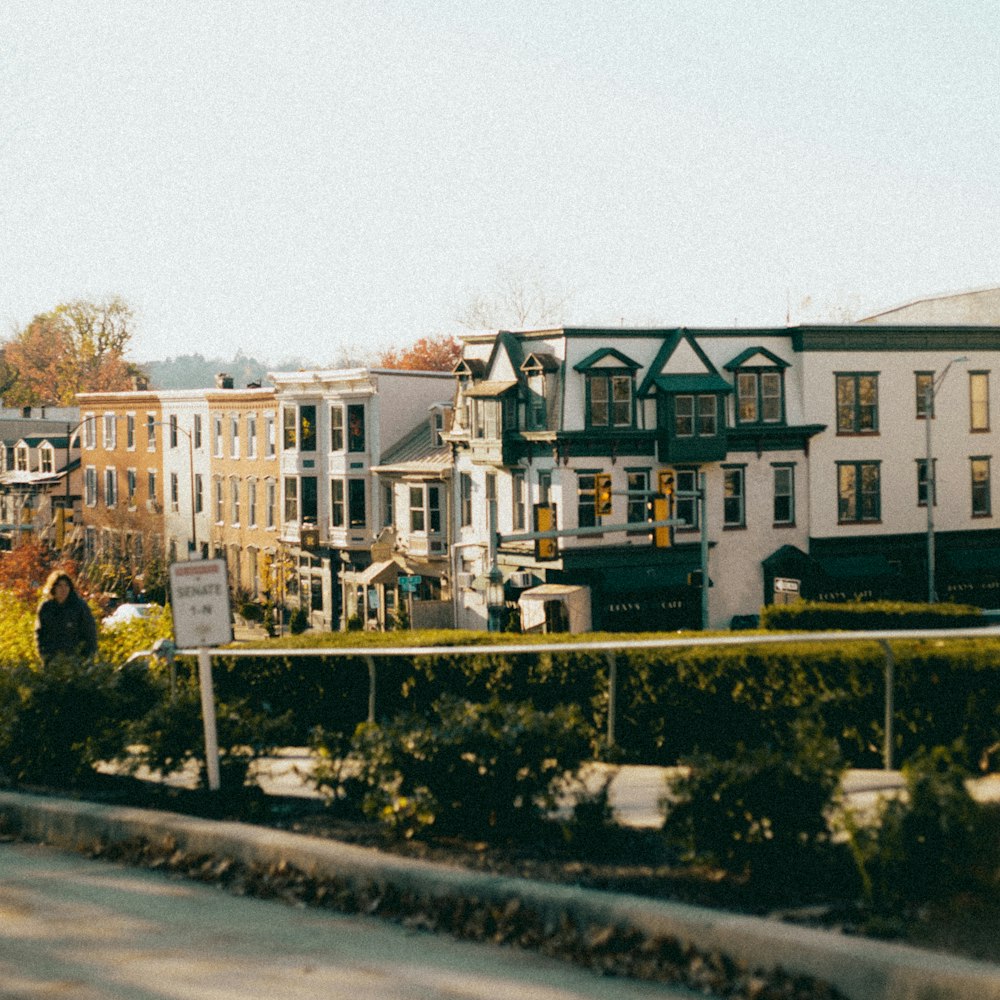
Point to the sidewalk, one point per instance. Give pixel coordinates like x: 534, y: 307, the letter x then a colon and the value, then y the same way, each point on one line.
x: 861, y: 969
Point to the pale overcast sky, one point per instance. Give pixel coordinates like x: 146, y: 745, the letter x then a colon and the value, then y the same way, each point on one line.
x: 292, y: 177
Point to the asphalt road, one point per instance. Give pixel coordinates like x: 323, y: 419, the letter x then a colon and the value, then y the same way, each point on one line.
x: 90, y: 930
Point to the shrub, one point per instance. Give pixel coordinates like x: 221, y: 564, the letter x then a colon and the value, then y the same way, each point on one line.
x: 477, y: 769
x: 58, y: 722
x: 299, y: 621
x: 762, y: 813
x: 925, y: 844
x: 818, y: 616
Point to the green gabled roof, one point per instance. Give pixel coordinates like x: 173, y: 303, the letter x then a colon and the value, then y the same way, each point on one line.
x: 692, y: 383
x: 750, y: 352
x: 606, y: 352
x: 710, y: 381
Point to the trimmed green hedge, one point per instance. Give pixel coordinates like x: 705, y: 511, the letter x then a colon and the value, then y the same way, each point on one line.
x: 819, y: 616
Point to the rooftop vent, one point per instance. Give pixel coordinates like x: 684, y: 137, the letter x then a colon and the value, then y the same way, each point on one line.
x: 223, y: 381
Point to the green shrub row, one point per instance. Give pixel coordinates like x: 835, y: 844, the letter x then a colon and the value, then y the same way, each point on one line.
x: 818, y: 616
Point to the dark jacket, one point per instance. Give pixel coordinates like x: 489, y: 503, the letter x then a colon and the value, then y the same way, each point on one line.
x: 66, y: 628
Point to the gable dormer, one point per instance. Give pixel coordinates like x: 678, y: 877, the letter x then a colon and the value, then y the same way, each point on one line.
x: 690, y: 401
x: 610, y: 389
x: 540, y: 371
x: 759, y: 377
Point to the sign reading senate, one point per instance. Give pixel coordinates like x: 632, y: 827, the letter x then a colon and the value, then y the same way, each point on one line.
x: 199, y: 593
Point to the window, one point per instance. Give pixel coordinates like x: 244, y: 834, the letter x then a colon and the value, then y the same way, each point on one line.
x: 417, y: 524
x: 979, y: 401
x: 251, y: 435
x: 270, y: 503
x: 21, y: 458
x: 217, y: 435
x: 111, y: 487
x: 90, y: 432
x: 695, y: 415
x: 356, y: 427
x: 173, y: 430
x: 90, y: 486
x: 47, y: 458
x: 336, y: 428
x: 924, y: 391
x: 686, y: 498
x: 760, y: 397
x: 981, y: 505
x: 252, y: 503
x: 638, y: 495
x: 309, y: 498
x: 857, y: 404
x: 199, y: 493
x: 196, y: 424
x: 130, y: 431
x: 357, y: 503
x: 858, y: 492
x: 610, y: 400
x: 289, y: 427
x: 217, y: 489
x: 337, y: 503
x: 733, y: 505
x: 110, y: 426
x: 922, y: 485
x: 291, y: 500
x: 175, y: 492
x: 131, y: 485
x: 234, y: 435
x: 465, y: 498
x: 307, y: 427
x: 784, y: 494
x: 234, y: 499
x: 586, y: 496
x: 434, y: 510
x: 270, y: 440
x: 387, y: 505
x: 151, y: 485
x: 151, y: 432
x: 519, y: 499
x: 485, y: 419
x: 537, y: 404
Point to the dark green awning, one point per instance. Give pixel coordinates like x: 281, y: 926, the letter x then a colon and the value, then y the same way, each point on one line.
x: 856, y: 567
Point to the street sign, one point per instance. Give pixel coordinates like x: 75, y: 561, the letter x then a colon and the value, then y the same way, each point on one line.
x: 409, y: 584
x: 199, y: 596
x: 786, y: 586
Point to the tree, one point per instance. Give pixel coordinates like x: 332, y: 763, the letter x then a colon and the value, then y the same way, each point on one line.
x: 438, y: 353
x: 523, y: 297
x: 77, y: 347
x: 23, y: 569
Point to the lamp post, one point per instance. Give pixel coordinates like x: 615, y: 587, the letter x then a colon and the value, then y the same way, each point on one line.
x: 930, y: 478
x: 495, y: 598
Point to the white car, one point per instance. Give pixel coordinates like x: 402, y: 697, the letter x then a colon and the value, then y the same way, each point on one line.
x: 130, y: 613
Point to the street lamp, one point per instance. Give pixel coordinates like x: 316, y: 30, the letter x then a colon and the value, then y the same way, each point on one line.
x: 495, y: 599
x: 931, y: 390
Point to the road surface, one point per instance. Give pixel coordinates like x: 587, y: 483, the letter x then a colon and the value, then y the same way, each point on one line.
x: 91, y: 930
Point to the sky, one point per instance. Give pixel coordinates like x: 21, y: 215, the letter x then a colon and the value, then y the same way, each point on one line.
x: 304, y: 177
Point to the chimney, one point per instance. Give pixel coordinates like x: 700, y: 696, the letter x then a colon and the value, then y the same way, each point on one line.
x: 140, y: 383
x: 223, y: 381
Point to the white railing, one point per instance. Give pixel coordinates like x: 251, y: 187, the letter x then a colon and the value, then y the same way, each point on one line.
x: 610, y: 648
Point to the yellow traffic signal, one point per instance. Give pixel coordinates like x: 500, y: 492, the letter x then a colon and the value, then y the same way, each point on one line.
x: 661, y: 511
x: 667, y: 483
x: 544, y: 518
x: 602, y: 494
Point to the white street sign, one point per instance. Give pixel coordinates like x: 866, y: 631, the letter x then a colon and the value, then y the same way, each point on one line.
x: 199, y: 592
x: 785, y: 585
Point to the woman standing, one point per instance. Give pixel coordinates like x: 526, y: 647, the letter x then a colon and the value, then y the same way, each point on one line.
x: 64, y: 626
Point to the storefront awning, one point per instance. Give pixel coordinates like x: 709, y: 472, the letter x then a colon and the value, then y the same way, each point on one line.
x: 972, y: 561
x: 856, y: 567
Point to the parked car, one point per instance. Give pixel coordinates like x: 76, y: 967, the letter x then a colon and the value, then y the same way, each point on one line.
x: 130, y: 613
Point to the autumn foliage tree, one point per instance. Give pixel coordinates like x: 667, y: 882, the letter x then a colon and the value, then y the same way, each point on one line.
x: 24, y: 569
x: 438, y: 353
x: 77, y: 347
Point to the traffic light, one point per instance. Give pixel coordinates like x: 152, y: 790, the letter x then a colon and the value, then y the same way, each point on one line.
x: 602, y: 494
x: 667, y: 485
x: 661, y: 511
x: 544, y: 520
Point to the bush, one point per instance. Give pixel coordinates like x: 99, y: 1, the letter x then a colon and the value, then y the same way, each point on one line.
x: 926, y: 844
x: 475, y: 769
x: 299, y: 621
x: 762, y: 813
x: 820, y: 616
x: 58, y: 722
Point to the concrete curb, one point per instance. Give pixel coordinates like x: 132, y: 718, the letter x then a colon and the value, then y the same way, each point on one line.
x: 861, y: 969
